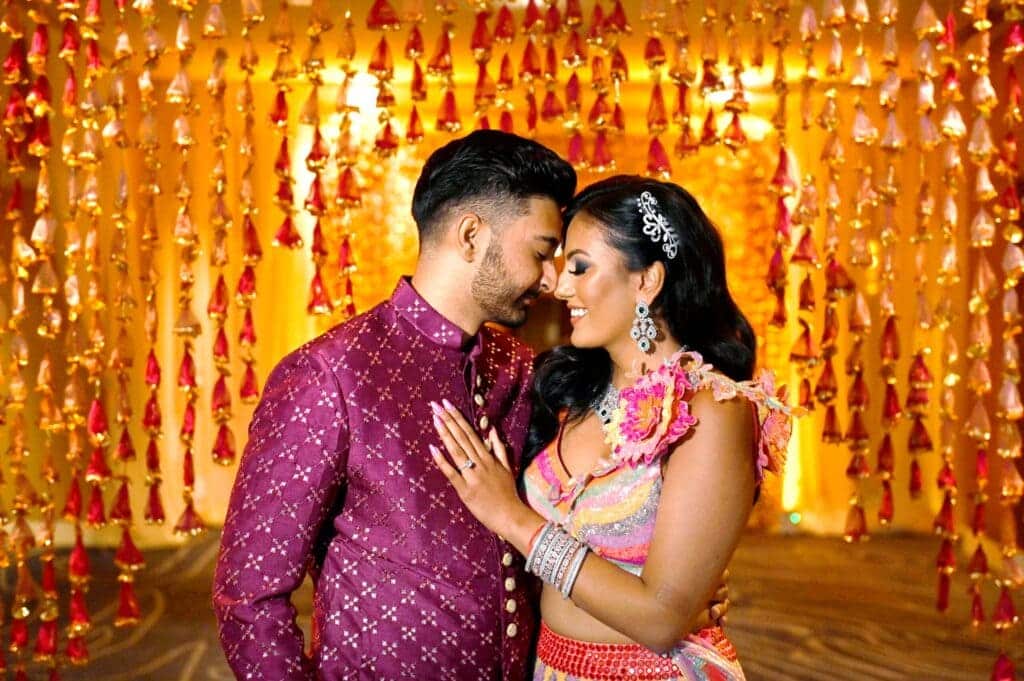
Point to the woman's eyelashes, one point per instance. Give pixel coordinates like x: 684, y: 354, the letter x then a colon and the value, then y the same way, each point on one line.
x: 578, y: 267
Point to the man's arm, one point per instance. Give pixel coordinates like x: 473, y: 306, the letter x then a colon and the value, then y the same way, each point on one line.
x: 287, y: 481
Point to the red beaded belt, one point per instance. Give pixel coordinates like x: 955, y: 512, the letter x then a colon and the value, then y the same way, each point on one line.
x: 602, y: 661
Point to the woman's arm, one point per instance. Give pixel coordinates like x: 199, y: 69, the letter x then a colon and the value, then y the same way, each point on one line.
x: 705, y: 502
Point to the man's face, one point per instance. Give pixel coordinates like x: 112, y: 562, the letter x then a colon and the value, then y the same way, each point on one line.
x: 518, y: 264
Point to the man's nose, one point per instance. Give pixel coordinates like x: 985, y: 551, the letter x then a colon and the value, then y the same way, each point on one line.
x: 549, y: 277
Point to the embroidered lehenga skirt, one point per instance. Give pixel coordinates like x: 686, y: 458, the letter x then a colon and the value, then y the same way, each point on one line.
x: 706, y: 656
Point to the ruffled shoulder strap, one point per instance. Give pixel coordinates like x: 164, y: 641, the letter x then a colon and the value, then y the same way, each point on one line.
x: 774, y: 415
x: 654, y: 413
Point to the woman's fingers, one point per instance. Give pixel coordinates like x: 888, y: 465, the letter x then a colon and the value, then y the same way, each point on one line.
x: 454, y: 447
x: 449, y: 471
x: 498, y: 449
x: 469, y: 437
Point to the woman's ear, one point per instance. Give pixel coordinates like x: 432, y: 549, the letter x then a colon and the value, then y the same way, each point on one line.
x: 652, y: 280
x: 468, y: 235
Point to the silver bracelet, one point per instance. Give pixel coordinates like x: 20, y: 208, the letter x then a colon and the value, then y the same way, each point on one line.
x: 557, y: 557
x: 574, y: 570
x: 535, y: 549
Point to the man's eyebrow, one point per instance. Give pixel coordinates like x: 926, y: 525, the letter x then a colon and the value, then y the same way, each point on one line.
x: 551, y: 241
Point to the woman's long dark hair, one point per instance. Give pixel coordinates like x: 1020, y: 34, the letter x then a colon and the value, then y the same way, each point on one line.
x: 694, y: 301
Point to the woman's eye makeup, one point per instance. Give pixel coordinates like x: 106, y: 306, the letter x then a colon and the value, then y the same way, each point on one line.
x: 578, y: 267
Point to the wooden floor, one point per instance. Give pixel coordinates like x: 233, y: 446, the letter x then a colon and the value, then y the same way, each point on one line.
x: 805, y: 608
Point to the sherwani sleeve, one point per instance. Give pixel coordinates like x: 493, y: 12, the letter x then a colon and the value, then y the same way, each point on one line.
x: 288, y: 479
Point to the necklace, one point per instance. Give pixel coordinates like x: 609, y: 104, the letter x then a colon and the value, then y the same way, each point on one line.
x: 606, y: 404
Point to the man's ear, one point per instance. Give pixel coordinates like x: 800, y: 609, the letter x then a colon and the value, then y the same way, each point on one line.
x: 652, y: 280
x: 469, y: 236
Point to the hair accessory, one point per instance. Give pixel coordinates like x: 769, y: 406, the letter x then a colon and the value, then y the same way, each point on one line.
x: 656, y: 226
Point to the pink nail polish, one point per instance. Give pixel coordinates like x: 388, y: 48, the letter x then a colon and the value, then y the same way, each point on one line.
x: 434, y: 450
x: 436, y: 408
x: 448, y: 405
x: 438, y: 423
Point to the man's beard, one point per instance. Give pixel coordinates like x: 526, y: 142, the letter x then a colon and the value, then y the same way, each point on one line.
x: 493, y: 290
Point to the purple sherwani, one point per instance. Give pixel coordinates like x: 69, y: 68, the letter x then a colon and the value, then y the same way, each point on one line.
x: 337, y: 478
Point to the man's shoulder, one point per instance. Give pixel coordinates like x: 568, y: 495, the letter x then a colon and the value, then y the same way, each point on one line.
x: 342, y: 339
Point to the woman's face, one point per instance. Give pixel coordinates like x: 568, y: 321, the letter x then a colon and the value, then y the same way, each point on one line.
x: 600, y: 292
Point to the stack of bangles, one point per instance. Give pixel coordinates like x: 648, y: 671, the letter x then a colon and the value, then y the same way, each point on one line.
x: 556, y: 557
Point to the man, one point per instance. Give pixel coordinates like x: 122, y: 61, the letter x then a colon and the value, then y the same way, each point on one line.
x: 337, y: 477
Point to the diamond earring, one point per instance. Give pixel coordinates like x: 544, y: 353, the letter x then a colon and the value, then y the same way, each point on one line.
x: 643, y: 330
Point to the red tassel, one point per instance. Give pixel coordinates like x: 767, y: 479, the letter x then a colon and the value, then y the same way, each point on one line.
x: 977, y: 606
x: 978, y: 567
x: 348, y: 191
x: 97, y: 422
x: 189, y: 523
x: 97, y: 470
x: 1003, y: 669
x: 856, y: 524
x: 121, y: 511
x: 220, y: 348
x: 448, y: 115
x: 252, y: 251
x: 572, y: 93
x: 886, y: 458
x: 125, y: 450
x: 152, y: 457
x: 945, y: 523
x: 505, y: 25
x: 858, y: 467
x: 830, y: 431
x: 128, y: 556
x: 73, y: 504
x: 947, y: 478
x: 46, y: 641
x: 188, y: 423
x: 978, y: 518
x: 505, y: 123
x: 128, y: 611
x: 78, y: 614
x: 382, y: 17
x: 152, y: 370
x: 319, y: 302
x: 151, y: 418
x: 218, y: 305
x: 886, y: 506
x: 658, y: 164
x: 1005, y: 615
x: 19, y: 635
x: 224, y: 446
x: 981, y: 467
x: 279, y: 111
x: 77, y: 652
x: 187, y: 372
x: 155, y: 506
x: 96, y: 515
x: 919, y: 440
x: 915, y: 482
x: 575, y: 155
x: 78, y: 562
x: 942, y: 598
x: 246, y: 290
x: 249, y: 390
x: 827, y: 385
x: 946, y: 561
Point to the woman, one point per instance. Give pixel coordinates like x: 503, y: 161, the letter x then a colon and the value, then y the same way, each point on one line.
x: 649, y: 440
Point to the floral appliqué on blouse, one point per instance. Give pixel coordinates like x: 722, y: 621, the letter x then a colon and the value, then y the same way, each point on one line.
x: 654, y: 413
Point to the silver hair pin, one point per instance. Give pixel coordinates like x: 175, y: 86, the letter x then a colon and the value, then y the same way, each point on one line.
x: 656, y: 226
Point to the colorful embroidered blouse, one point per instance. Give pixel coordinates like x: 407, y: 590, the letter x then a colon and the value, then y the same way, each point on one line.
x: 613, y: 508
